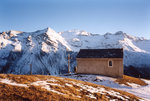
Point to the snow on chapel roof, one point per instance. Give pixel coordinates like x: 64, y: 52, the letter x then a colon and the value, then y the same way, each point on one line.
x: 100, y: 53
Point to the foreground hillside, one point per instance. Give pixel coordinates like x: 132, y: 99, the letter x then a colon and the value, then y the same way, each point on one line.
x: 45, y: 88
x: 136, y: 86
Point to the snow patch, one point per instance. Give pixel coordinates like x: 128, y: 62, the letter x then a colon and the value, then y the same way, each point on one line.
x: 10, y: 82
x: 67, y: 84
x: 17, y: 47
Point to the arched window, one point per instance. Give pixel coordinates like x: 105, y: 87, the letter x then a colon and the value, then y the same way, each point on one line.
x: 110, y: 63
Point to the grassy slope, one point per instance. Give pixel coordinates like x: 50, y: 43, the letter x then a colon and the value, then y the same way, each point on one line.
x: 128, y: 79
x: 37, y: 92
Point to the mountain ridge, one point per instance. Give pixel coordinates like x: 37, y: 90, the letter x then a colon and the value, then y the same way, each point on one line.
x: 47, y: 50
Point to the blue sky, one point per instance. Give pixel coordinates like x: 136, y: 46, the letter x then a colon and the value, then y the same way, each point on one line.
x: 96, y: 16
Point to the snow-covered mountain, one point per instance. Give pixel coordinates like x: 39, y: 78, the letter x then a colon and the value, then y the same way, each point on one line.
x: 45, y: 50
x: 136, y: 49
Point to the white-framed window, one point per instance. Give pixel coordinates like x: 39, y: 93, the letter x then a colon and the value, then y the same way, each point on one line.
x: 110, y: 63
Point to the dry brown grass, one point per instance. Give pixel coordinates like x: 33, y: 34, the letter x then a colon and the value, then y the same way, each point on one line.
x: 24, y: 79
x: 33, y: 93
x: 36, y: 93
x: 128, y: 79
